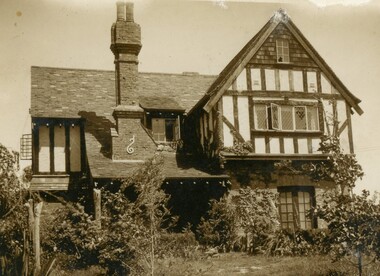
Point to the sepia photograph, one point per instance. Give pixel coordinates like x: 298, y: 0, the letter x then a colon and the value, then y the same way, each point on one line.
x: 178, y: 137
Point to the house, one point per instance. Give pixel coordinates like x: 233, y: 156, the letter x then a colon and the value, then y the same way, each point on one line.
x: 93, y: 127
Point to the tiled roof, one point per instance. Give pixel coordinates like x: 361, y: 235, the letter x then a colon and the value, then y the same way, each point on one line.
x: 160, y: 103
x: 59, y: 92
x: 185, y: 166
x: 90, y: 94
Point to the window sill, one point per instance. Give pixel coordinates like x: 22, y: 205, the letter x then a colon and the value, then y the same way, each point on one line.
x: 273, y: 132
x: 50, y: 175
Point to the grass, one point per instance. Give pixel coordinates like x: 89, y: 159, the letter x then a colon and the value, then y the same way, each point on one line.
x: 230, y: 264
x: 243, y: 264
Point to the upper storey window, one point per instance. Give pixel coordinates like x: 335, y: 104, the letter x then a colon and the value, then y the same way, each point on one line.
x: 58, y: 146
x: 286, y: 117
x: 282, y: 48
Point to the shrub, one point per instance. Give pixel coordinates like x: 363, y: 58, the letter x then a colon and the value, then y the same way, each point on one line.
x: 297, y: 243
x: 74, y: 233
x: 353, y: 223
x: 182, y: 245
x: 128, y: 240
x: 12, y: 214
x: 219, y: 227
x: 258, y: 216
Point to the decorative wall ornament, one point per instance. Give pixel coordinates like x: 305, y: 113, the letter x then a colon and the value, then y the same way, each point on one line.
x: 131, y: 150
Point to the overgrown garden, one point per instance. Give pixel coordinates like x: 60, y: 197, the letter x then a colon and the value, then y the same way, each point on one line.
x: 134, y: 234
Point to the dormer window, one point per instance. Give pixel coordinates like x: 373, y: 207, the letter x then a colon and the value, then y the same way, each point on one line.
x: 282, y: 48
x: 165, y: 129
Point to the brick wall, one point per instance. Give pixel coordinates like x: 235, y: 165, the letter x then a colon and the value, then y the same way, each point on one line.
x: 143, y: 146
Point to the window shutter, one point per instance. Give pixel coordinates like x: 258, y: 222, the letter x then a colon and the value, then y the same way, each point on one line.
x: 26, y: 147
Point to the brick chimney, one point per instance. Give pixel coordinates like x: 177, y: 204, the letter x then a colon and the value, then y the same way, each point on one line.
x: 126, y: 46
x: 130, y: 141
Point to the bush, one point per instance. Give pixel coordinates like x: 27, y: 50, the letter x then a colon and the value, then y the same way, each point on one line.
x: 75, y: 234
x: 297, y: 243
x: 353, y: 223
x: 258, y: 216
x: 219, y: 227
x: 127, y: 242
x: 13, y: 224
x: 178, y: 245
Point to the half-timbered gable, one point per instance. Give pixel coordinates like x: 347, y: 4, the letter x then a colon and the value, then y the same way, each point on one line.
x: 278, y: 94
x: 273, y: 101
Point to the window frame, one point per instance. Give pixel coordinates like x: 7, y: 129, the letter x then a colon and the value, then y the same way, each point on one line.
x: 175, y: 125
x: 270, y: 106
x: 295, y: 223
x: 51, y: 123
x: 282, y: 51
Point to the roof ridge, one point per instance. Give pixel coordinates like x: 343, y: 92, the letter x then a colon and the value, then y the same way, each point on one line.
x: 142, y: 73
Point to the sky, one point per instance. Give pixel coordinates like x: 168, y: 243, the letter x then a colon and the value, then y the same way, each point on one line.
x: 188, y: 36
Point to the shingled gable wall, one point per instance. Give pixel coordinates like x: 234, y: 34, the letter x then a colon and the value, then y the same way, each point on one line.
x: 130, y: 141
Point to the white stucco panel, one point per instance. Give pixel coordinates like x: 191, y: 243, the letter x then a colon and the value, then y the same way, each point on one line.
x: 260, y: 145
x: 243, y: 113
x: 227, y: 136
x: 274, y: 144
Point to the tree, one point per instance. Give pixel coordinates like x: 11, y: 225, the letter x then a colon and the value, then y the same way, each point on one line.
x: 354, y: 225
x: 130, y: 229
x: 12, y: 214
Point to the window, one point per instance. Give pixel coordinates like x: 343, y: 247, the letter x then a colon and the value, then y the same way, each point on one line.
x: 260, y: 115
x: 286, y: 117
x: 256, y: 78
x: 282, y: 47
x: 58, y: 147
x: 300, y: 117
x: 26, y: 147
x: 294, y: 206
x: 311, y: 82
x: 165, y: 129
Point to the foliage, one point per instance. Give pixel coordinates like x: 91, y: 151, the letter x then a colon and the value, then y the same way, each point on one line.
x: 240, y: 148
x: 127, y: 241
x: 182, y: 245
x: 219, y: 227
x: 10, y: 186
x: 258, y: 216
x: 252, y: 211
x: 74, y: 233
x: 340, y: 167
x: 27, y: 175
x: 353, y: 223
x: 296, y: 243
x: 12, y: 214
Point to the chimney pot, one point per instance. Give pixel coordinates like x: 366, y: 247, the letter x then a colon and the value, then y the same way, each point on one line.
x: 121, y: 16
x: 129, y: 12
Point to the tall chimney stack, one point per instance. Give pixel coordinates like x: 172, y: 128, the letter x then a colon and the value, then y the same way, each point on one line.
x: 126, y: 45
x: 130, y: 142
x: 120, y: 11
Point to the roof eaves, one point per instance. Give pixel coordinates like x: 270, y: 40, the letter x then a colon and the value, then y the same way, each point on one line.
x: 347, y: 95
x: 231, y: 67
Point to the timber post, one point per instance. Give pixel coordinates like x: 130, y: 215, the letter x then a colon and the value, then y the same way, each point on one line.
x: 36, y: 240
x: 97, y: 205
